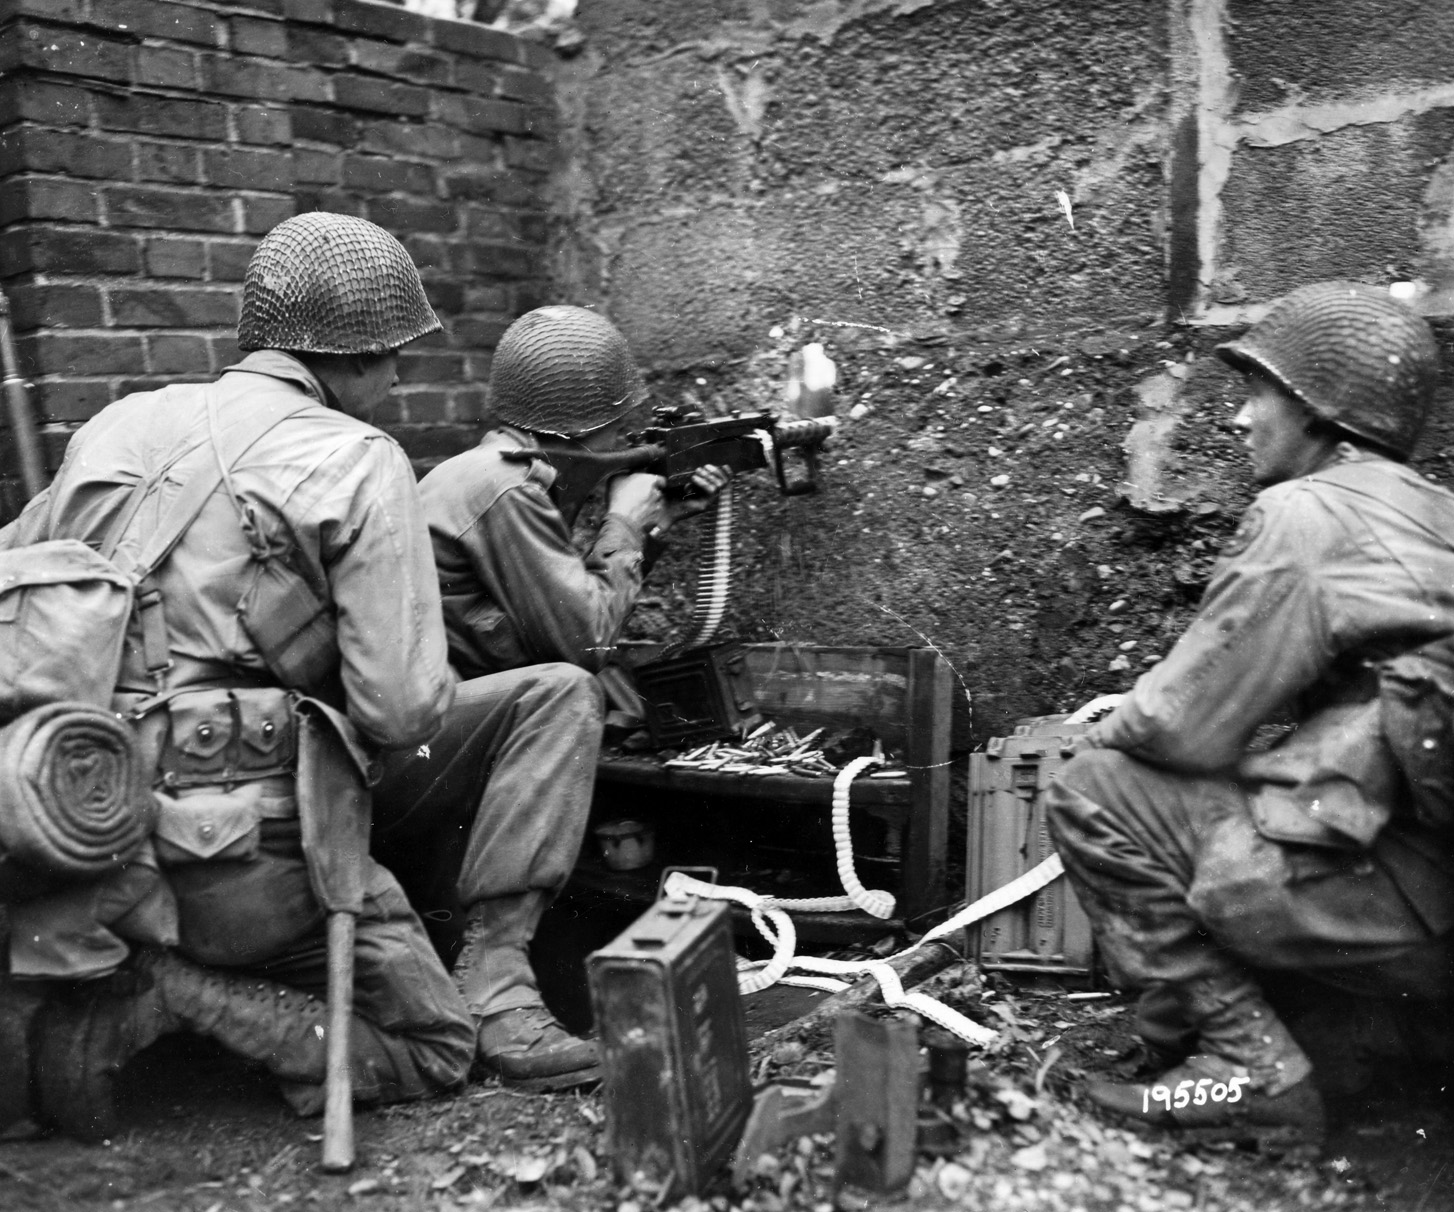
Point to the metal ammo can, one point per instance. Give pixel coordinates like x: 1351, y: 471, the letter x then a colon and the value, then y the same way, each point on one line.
x: 673, y: 1044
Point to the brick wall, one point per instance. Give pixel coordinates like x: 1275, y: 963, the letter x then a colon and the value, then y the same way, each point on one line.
x: 146, y: 146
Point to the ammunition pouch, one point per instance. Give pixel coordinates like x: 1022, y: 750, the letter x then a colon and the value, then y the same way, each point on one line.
x: 226, y: 760
x: 219, y: 824
x: 227, y: 736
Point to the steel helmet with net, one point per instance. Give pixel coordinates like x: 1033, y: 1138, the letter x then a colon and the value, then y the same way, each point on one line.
x: 325, y: 283
x: 1352, y: 354
x: 563, y: 370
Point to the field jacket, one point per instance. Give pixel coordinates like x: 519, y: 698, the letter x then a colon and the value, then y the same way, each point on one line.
x: 516, y: 591
x: 1327, y: 575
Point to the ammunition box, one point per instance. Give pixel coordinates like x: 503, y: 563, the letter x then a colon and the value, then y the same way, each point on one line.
x: 676, y: 1086
x: 1047, y: 933
x: 701, y: 695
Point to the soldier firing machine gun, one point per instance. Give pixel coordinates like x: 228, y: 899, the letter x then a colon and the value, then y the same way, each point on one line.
x: 681, y: 440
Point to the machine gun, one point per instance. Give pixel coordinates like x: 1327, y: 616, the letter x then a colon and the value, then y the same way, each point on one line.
x: 680, y: 441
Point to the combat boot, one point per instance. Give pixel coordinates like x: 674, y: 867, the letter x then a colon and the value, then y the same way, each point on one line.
x: 1249, y: 1080
x: 517, y: 1038
x: 86, y: 1038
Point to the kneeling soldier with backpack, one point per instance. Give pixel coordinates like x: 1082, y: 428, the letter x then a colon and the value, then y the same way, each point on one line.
x: 284, y: 626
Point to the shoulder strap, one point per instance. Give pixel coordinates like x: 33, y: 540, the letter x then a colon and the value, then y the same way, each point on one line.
x: 203, y: 483
x: 182, y: 513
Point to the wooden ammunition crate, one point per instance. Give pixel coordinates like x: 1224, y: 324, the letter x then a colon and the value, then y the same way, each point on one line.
x: 908, y: 698
x: 1047, y: 933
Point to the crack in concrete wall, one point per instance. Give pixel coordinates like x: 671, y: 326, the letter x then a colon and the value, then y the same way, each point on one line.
x: 1216, y: 137
x: 823, y: 19
x: 1291, y: 123
x: 1201, y: 28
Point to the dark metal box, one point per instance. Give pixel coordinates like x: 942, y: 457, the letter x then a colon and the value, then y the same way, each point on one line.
x: 1047, y: 933
x: 703, y: 694
x: 673, y: 1045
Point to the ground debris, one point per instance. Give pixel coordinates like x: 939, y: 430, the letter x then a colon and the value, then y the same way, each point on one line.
x: 1014, y: 1145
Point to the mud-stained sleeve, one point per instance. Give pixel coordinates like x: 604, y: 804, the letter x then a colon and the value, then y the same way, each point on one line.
x: 564, y: 607
x: 1261, y: 636
x: 380, y: 568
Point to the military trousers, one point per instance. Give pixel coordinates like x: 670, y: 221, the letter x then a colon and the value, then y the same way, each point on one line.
x: 411, y: 1031
x: 496, y: 803
x: 1180, y: 885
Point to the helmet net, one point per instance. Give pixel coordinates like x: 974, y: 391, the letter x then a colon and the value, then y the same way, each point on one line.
x: 326, y: 283
x: 563, y: 370
x: 1352, y: 354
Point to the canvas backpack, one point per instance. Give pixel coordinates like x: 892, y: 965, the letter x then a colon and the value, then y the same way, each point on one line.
x: 1416, y: 702
x: 65, y: 607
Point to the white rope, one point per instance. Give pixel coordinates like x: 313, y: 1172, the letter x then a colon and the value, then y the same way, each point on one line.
x: 875, y: 902
x: 769, y: 915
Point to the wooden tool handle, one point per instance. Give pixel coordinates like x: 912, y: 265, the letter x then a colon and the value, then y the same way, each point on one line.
x: 338, y: 1088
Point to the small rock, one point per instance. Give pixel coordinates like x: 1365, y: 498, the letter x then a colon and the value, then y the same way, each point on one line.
x: 1118, y: 665
x: 999, y: 481
x: 1095, y: 511
x: 929, y: 492
x: 994, y: 452
x: 364, y: 1186
x: 1117, y: 606
x: 1128, y: 645
x: 859, y: 411
x: 954, y: 1182
x: 910, y: 363
x: 1031, y: 1157
x: 957, y: 481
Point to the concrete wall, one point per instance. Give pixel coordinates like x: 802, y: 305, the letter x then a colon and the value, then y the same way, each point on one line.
x: 1322, y: 149
x: 875, y: 162
x: 145, y: 146
x: 1043, y: 467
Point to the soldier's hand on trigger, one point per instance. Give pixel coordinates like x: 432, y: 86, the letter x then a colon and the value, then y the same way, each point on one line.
x: 707, y: 482
x: 638, y: 497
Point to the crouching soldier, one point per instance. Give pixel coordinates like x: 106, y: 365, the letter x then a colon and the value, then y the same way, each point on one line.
x: 488, y: 820
x: 294, y: 629
x: 1202, y: 862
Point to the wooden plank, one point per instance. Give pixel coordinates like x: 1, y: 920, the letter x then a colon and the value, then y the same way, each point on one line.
x: 837, y: 688
x: 802, y: 685
x: 784, y: 788
x: 927, y: 757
